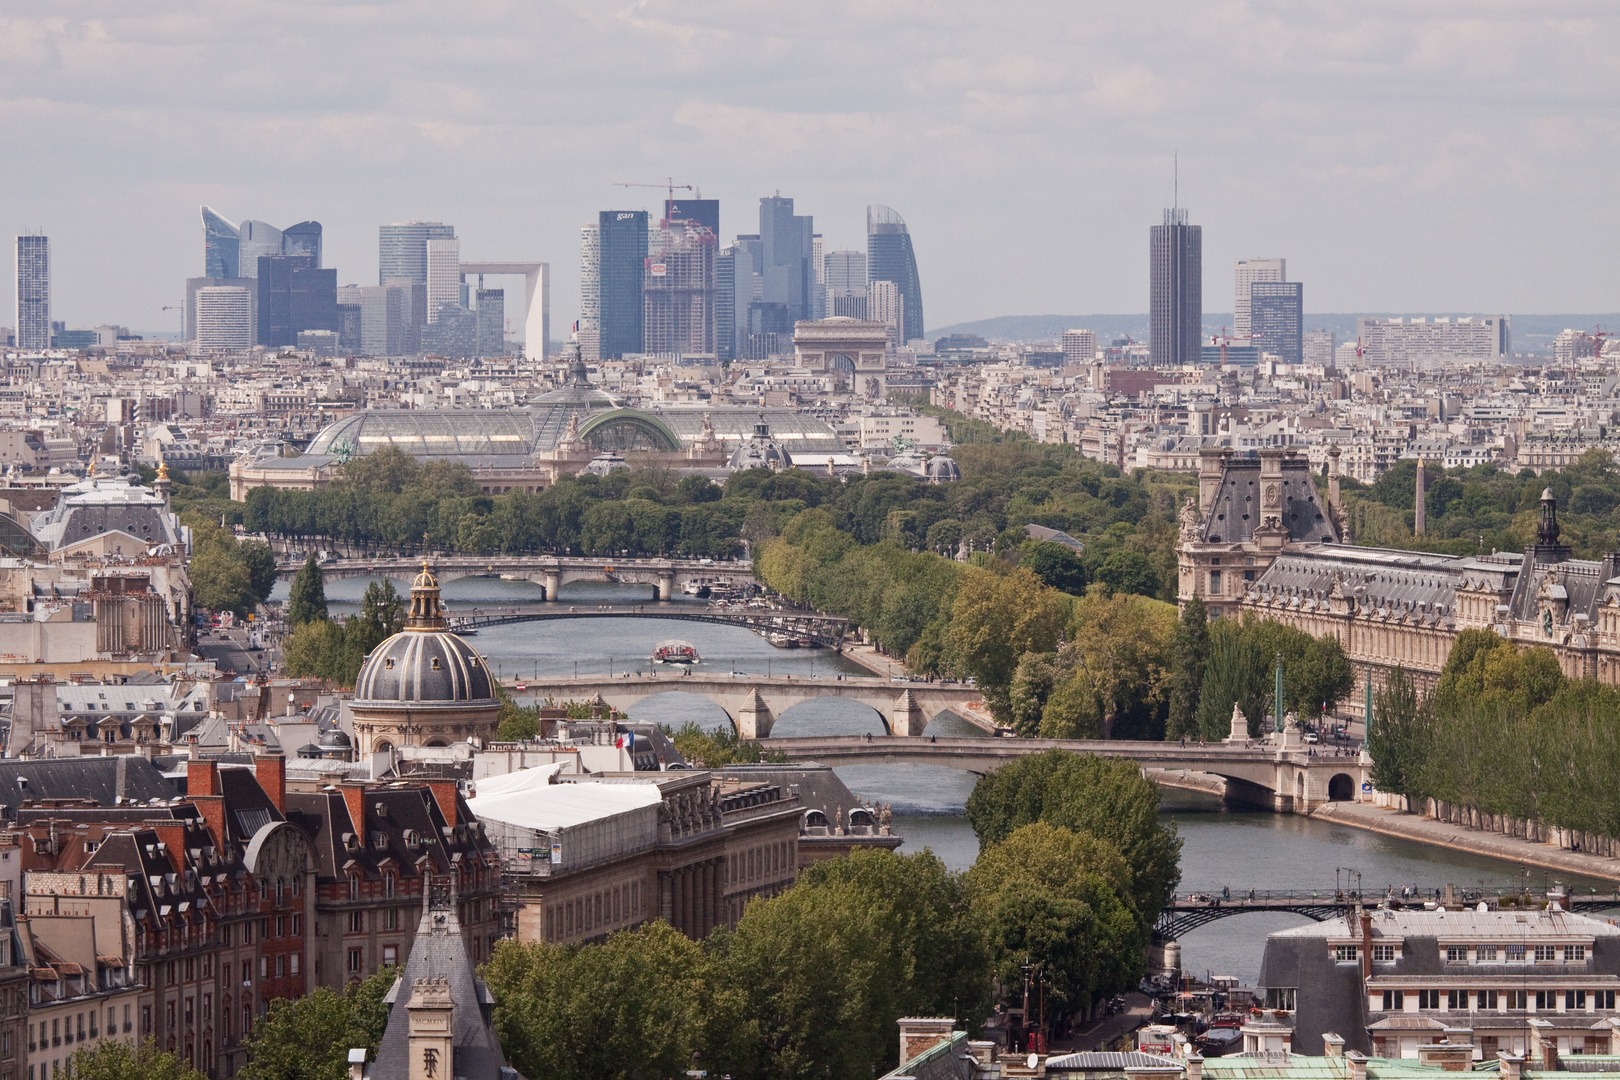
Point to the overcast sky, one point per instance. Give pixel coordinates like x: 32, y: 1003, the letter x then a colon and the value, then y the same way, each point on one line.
x: 1403, y: 156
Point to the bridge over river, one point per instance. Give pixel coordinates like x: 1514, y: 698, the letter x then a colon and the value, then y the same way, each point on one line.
x: 1262, y: 775
x: 780, y: 627
x: 666, y: 577
x: 1186, y: 914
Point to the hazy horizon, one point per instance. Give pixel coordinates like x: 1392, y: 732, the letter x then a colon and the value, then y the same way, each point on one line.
x: 1454, y: 157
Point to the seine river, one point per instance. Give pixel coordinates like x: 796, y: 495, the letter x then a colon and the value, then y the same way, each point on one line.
x: 1239, y: 850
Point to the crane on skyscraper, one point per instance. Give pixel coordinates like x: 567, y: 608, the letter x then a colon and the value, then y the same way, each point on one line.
x: 668, y: 184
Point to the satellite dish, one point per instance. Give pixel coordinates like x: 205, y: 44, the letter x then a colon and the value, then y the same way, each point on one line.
x: 1034, y: 1060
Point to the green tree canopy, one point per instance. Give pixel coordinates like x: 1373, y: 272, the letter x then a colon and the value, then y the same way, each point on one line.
x: 119, y: 1060
x: 309, y: 1038
x: 306, y: 602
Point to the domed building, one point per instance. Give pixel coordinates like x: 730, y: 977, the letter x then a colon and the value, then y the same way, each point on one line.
x: 424, y: 686
x: 761, y: 451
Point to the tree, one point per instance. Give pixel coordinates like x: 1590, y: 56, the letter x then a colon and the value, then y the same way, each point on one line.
x: 1056, y: 564
x: 1118, y: 654
x: 306, y: 602
x: 317, y: 649
x: 1189, y: 654
x: 119, y: 1060
x: 1395, y: 737
x: 309, y: 1038
x: 261, y: 567
x: 632, y: 1007
x: 995, y: 620
x: 220, y: 582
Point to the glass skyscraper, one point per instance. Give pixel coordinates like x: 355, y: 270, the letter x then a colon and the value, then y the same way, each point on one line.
x: 491, y: 322
x: 303, y: 238
x: 889, y: 257
x: 1277, y: 319
x: 402, y: 249
x: 33, y: 292
x: 258, y: 240
x: 786, y: 244
x: 294, y: 296
x: 1176, y: 291
x: 621, y: 262
x: 221, y: 245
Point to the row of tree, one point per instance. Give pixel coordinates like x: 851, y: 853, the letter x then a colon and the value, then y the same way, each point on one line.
x: 1505, y: 732
x: 320, y: 646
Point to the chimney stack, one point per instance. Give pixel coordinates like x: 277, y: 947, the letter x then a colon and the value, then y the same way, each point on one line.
x: 271, y: 771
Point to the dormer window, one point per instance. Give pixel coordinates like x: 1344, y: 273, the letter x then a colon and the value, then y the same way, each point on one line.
x: 435, y: 663
x: 388, y: 662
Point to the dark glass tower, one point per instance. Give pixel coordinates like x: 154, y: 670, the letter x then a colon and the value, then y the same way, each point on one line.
x: 725, y: 304
x: 294, y: 295
x: 1277, y: 318
x: 889, y: 257
x: 623, y: 259
x: 786, y: 240
x: 704, y: 212
x: 1176, y: 291
x: 303, y: 238
x: 221, y: 243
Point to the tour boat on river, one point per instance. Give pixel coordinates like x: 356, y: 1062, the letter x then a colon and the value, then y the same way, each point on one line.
x: 675, y: 652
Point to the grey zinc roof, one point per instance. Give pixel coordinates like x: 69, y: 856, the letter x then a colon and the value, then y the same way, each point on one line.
x: 424, y: 666
x: 1236, y: 510
x: 93, y: 507
x: 1418, y: 586
x: 1581, y: 583
x: 102, y: 780
x: 1114, y: 1061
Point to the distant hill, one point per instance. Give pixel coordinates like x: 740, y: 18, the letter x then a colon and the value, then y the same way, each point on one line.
x: 1531, y: 333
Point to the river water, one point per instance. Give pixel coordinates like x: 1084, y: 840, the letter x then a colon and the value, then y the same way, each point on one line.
x: 1235, y: 849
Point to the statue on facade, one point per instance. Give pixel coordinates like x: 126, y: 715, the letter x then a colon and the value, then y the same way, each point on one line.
x: 1189, y: 519
x: 886, y: 816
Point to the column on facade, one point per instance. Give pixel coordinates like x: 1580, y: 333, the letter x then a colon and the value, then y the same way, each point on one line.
x: 666, y: 897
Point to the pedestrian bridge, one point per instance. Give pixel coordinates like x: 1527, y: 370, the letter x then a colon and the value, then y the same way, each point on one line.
x: 666, y: 577
x: 1291, y: 780
x: 1190, y: 911
x: 754, y: 702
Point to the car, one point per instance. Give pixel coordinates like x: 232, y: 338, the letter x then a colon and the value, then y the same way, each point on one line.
x: 1312, y: 737
x: 739, y: 674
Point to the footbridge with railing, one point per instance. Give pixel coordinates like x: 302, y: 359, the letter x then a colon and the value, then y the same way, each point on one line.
x: 790, y: 629
x: 667, y: 578
x: 1189, y: 911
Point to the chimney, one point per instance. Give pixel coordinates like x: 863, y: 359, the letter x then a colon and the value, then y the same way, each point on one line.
x: 920, y: 1034
x: 354, y: 795
x: 1358, y: 1064
x: 1366, y: 941
x: 1211, y: 464
x: 1195, y: 1067
x: 212, y: 809
x: 172, y: 835
x: 1332, y: 1045
x: 1510, y: 1066
x: 1419, y: 514
x: 444, y: 793
x: 357, y: 1063
x: 271, y: 771
x: 1544, y: 1044
x: 202, y: 778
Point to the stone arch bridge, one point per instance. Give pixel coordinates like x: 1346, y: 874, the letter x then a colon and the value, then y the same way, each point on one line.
x: 754, y: 702
x: 1283, y: 780
x: 667, y: 577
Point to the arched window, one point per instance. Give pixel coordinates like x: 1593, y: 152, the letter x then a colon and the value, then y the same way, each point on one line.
x: 388, y: 884
x: 281, y: 891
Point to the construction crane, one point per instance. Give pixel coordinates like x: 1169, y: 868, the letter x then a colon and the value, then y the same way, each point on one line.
x: 669, y: 185
x: 171, y: 307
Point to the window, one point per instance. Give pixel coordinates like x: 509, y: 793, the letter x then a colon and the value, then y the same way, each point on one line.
x: 1489, y: 1045
x: 1456, y: 954
x: 1574, y: 952
x: 281, y: 926
x: 1428, y: 999
x: 1456, y: 999
x: 95, y: 1017
x: 292, y: 964
x: 1344, y: 952
x: 1214, y: 583
x: 264, y: 967
x: 1575, y: 999
x: 1394, y: 1000
x: 1546, y: 1000
x: 264, y: 890
x: 1603, y: 999
x: 1513, y: 952
x: 126, y: 1019
x: 298, y: 926
x: 1486, y: 1000
x: 391, y: 919
x: 391, y: 955
x: 388, y: 884
x: 281, y: 891
x: 354, y: 886
x: 281, y: 966
x: 56, y: 1033
x: 1280, y: 997
x: 354, y: 961
x: 1383, y: 952
x: 357, y: 922
x: 1546, y: 952
x: 1484, y: 953
x: 247, y: 973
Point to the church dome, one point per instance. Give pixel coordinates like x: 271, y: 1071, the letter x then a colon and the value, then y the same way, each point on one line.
x: 425, y: 664
x: 941, y: 469
x: 577, y: 391
x: 761, y: 452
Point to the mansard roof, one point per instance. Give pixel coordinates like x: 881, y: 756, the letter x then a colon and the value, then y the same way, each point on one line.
x: 1235, y: 513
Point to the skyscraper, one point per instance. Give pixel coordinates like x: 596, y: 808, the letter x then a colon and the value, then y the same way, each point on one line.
x: 704, y: 212
x: 1176, y: 291
x: 33, y: 292
x: 258, y: 240
x: 787, y: 240
x: 294, y: 296
x: 725, y: 304
x: 889, y: 257
x: 818, y: 289
x: 1079, y: 347
x: 491, y: 322
x: 224, y: 318
x: 845, y: 276
x: 197, y: 284
x: 590, y: 291
x: 621, y: 264
x: 402, y: 249
x: 886, y: 304
x: 1277, y: 319
x: 303, y: 238
x: 221, y: 245
x: 443, y: 274
x: 678, y: 291
x: 1245, y: 273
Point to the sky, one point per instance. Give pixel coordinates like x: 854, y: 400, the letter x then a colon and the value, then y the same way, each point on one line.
x: 1403, y: 156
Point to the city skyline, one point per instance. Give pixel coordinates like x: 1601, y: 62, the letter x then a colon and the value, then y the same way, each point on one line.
x: 1403, y: 160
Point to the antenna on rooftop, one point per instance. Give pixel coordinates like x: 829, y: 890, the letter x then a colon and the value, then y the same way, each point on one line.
x: 1175, y: 182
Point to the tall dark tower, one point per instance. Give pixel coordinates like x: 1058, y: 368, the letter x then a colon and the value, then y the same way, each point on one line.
x: 889, y: 257
x: 1176, y: 297
x: 623, y: 260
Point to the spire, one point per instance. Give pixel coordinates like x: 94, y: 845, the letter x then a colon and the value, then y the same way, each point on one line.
x: 426, y: 614
x: 1548, y: 549
x: 1420, y: 515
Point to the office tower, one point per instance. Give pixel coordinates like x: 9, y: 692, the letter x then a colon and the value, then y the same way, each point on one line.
x: 725, y: 304
x: 844, y: 273
x: 889, y: 257
x: 294, y: 296
x: 382, y: 317
x: 454, y: 333
x: 443, y: 275
x: 224, y: 317
x: 786, y: 242
x: 33, y: 292
x: 412, y: 306
x: 196, y: 284
x: 258, y: 240
x: 1246, y: 273
x: 491, y: 333
x: 704, y: 212
x: 1319, y: 346
x: 1176, y: 291
x: 402, y: 249
x: 349, y: 323
x: 621, y: 264
x: 303, y: 238
x: 818, y: 291
x: 1277, y: 317
x: 1397, y: 341
x: 1079, y: 347
x: 886, y: 304
x: 678, y: 292
x: 221, y: 247
x: 589, y: 330
x: 750, y: 284
x: 769, y: 331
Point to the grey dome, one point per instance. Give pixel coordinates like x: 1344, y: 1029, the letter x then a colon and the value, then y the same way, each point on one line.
x: 942, y: 469
x: 606, y: 462
x: 427, y: 667
x: 335, y: 738
x: 309, y: 750
x: 761, y: 452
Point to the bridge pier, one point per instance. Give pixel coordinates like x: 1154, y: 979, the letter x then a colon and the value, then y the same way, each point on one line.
x: 552, y: 583
x: 666, y: 585
x: 906, y: 718
x: 754, y: 719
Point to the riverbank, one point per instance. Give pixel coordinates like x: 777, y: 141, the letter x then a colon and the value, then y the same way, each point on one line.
x: 1475, y: 842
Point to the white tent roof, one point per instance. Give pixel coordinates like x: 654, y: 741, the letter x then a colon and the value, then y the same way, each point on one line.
x: 533, y: 802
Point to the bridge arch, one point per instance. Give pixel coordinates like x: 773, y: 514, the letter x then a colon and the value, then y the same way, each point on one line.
x: 1341, y: 788
x: 628, y: 429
